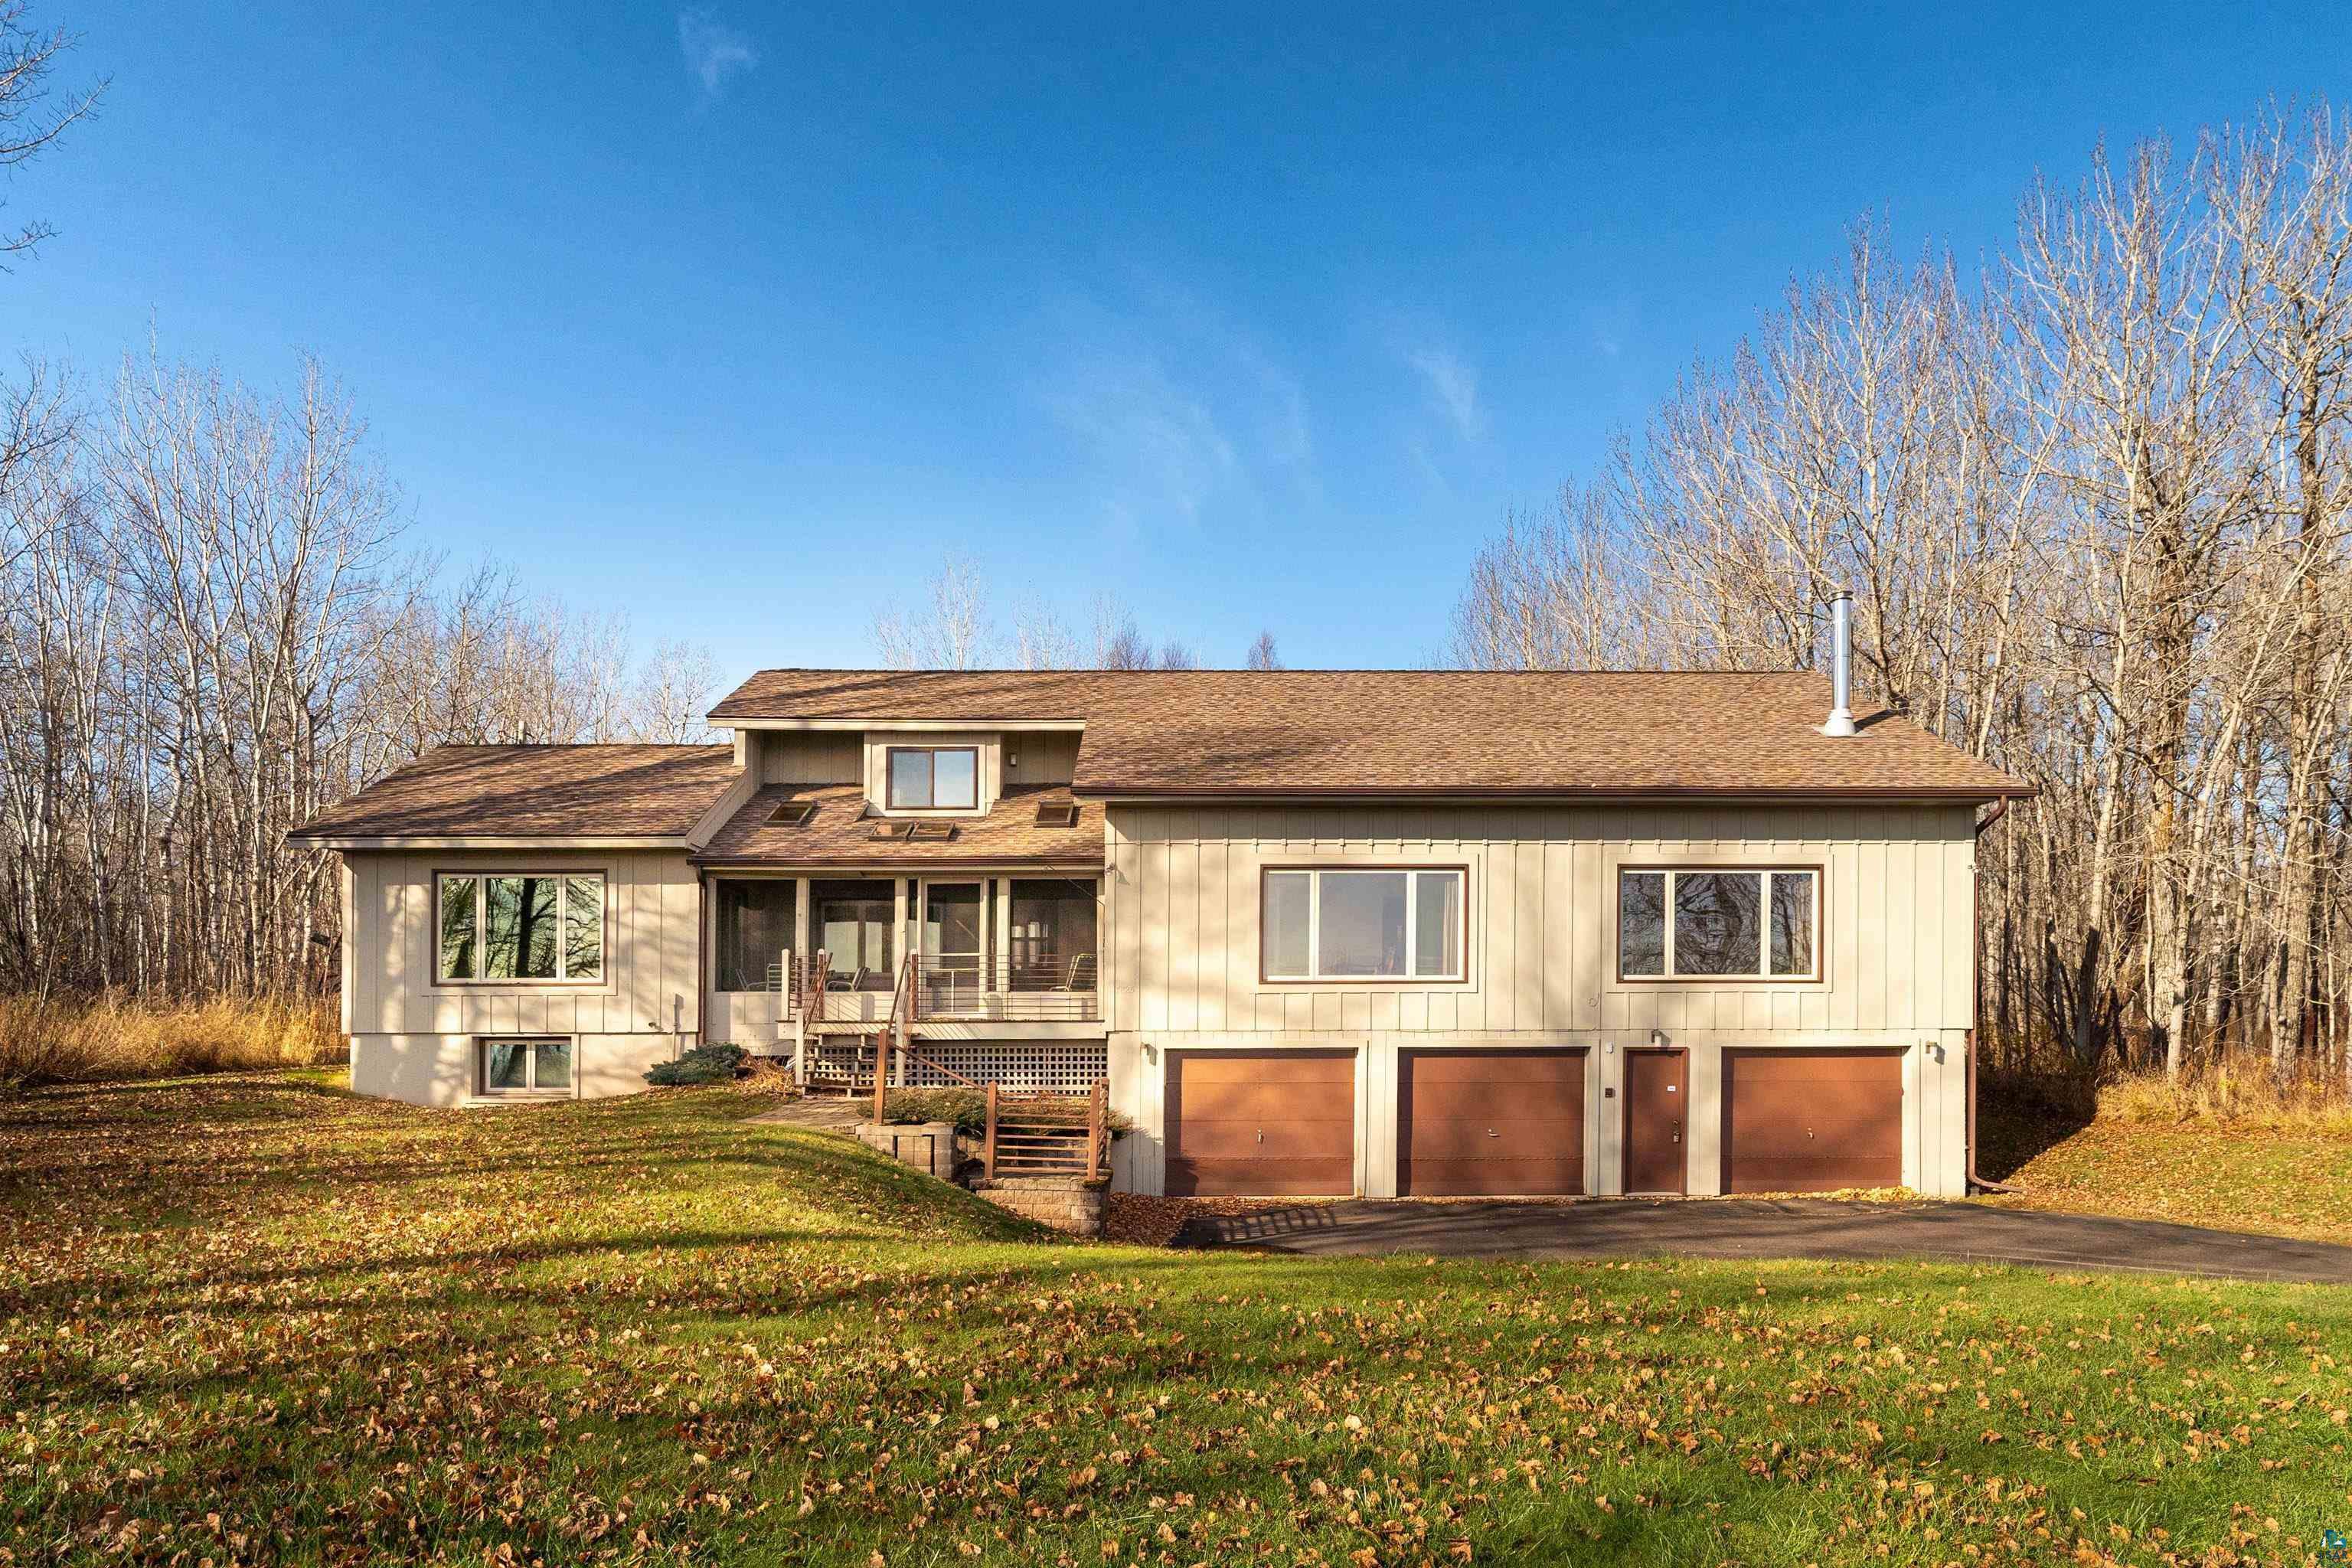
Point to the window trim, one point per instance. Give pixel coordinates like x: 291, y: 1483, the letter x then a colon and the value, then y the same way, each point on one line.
x: 482, y: 930
x: 1817, y: 975
x: 1315, y: 921
x: 712, y: 903
x: 482, y: 1090
x: 891, y: 806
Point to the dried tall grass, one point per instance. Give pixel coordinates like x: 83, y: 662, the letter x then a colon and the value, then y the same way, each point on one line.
x: 2238, y: 1092
x: 93, y: 1040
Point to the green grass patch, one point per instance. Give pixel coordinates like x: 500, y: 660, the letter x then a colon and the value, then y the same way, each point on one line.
x: 254, y: 1320
x: 2279, y: 1181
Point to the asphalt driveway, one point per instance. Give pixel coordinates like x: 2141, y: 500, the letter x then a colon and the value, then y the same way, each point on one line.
x: 1770, y: 1227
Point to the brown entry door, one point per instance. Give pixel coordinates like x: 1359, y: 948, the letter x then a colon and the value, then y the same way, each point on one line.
x: 1260, y: 1123
x: 1500, y: 1123
x: 1657, y: 1132
x: 1811, y: 1122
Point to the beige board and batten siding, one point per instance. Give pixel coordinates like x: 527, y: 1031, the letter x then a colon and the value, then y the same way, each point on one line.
x: 1182, y: 953
x: 808, y: 756
x: 411, y: 1035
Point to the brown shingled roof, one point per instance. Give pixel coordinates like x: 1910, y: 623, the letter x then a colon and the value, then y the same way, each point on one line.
x: 1254, y: 733
x: 839, y: 832
x: 532, y: 791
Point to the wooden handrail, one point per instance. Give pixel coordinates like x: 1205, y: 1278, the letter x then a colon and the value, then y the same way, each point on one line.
x: 1097, y: 1121
x: 988, y: 1141
x: 893, y: 1035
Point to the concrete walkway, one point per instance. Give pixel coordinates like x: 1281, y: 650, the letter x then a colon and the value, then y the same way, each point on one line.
x: 824, y: 1113
x: 1770, y: 1227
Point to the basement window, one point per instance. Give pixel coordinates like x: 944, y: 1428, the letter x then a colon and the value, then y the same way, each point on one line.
x: 525, y: 1070
x: 1708, y: 922
x: 529, y: 926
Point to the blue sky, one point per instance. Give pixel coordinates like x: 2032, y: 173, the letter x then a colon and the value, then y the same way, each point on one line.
x: 735, y: 318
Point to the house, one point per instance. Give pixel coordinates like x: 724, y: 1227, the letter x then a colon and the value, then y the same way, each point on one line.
x: 1324, y: 932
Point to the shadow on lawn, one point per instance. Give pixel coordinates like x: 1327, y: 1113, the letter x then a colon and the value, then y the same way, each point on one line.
x: 2010, y: 1137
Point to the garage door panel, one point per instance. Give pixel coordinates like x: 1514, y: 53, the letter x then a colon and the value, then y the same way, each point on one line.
x: 1505, y: 1123
x: 1811, y: 1121
x: 1496, y: 1178
x: 1558, y: 1101
x: 1260, y: 1178
x: 1247, y: 1070
x: 1270, y: 1138
x: 1260, y: 1124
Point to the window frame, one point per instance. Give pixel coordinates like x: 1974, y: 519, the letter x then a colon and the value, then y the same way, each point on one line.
x: 1411, y: 870
x: 481, y: 928
x: 889, y: 755
x: 717, y: 901
x: 1816, y: 975
x: 482, y: 1090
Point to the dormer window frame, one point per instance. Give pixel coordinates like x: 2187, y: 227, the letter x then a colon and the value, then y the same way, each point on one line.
x: 890, y: 802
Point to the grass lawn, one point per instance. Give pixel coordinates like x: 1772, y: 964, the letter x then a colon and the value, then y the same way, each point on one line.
x: 258, y: 1320
x: 2279, y: 1181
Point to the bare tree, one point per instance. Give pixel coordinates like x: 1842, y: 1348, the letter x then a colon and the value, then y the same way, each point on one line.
x: 671, y: 695
x: 952, y: 630
x: 208, y: 630
x: 2094, y: 505
x: 1041, y: 639
x: 1262, y: 654
x: 30, y: 117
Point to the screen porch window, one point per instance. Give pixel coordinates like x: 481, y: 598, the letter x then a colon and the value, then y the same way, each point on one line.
x: 755, y: 928
x: 497, y: 927
x: 1404, y: 925
x: 854, y: 922
x: 933, y: 778
x: 526, y: 1066
x: 1053, y: 935
x: 1720, y: 924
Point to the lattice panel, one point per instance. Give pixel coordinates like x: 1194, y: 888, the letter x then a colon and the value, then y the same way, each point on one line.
x: 1068, y: 1066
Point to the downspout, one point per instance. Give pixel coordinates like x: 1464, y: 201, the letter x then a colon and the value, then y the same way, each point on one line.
x: 702, y: 955
x: 1977, y: 1183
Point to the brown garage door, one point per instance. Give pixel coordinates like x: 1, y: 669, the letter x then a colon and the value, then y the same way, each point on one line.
x: 1808, y: 1122
x: 1260, y: 1123
x: 1507, y: 1123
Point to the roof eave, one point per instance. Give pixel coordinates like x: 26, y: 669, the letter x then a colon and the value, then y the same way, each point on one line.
x: 1468, y: 794
x: 348, y: 841
x: 917, y: 867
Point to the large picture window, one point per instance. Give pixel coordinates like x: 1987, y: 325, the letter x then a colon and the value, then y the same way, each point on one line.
x: 1718, y: 923
x: 521, y: 927
x: 755, y: 927
x: 1379, y: 924
x: 933, y: 778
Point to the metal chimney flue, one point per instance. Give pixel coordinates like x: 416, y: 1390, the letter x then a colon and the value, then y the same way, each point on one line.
x: 1841, y: 719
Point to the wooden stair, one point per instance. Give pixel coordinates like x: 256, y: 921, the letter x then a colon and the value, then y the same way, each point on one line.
x: 1047, y: 1135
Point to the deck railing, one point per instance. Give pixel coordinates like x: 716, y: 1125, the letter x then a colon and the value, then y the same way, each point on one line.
x: 947, y: 987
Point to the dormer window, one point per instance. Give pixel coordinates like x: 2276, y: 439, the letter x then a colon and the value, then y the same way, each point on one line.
x: 933, y: 778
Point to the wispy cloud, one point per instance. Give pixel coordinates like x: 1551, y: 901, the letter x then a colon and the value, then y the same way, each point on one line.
x: 1451, y: 384
x: 715, y: 52
x: 1174, y: 408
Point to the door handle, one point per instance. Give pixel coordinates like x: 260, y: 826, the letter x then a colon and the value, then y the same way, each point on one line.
x: 1261, y: 1135
x: 1492, y: 1133
x: 1679, y: 1133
